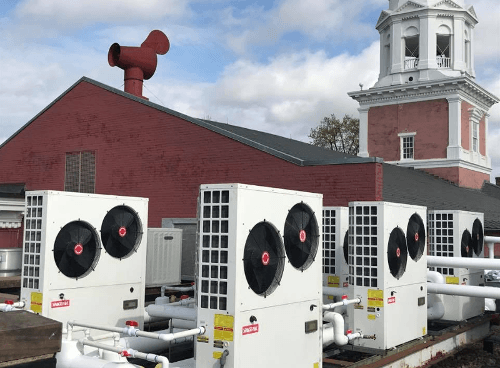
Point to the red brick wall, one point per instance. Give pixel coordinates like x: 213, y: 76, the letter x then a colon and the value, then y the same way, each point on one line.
x: 429, y: 119
x: 141, y: 151
x: 463, y: 177
x: 11, y: 238
x: 466, y: 132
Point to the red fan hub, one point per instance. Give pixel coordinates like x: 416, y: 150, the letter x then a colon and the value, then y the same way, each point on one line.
x: 416, y: 237
x: 265, y: 258
x: 78, y: 249
x: 398, y: 253
x: 467, y: 249
x: 302, y: 236
x: 122, y: 231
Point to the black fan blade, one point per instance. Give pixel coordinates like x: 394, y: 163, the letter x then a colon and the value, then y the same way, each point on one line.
x: 397, y: 253
x: 121, y: 231
x: 301, y: 236
x: 415, y: 237
x: 76, y: 249
x: 263, y: 259
x: 346, y: 247
x: 477, y: 237
x: 466, y: 248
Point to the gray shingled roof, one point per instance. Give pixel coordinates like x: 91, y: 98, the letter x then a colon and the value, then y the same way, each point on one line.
x: 405, y: 185
x: 299, y: 153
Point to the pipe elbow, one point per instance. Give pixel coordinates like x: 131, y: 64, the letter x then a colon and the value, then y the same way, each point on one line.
x: 338, y: 327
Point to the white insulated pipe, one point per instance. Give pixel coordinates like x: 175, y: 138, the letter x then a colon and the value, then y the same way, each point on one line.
x: 7, y: 307
x: 166, y: 311
x: 336, y: 332
x: 71, y: 357
x: 129, y: 353
x: 435, y: 305
x: 132, y: 331
x: 459, y: 262
x: 339, y: 304
x: 333, y: 291
x: 490, y: 243
x: 464, y: 290
x: 150, y: 345
x: 182, y: 289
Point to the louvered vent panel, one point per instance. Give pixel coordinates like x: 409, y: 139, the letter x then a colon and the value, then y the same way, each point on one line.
x: 32, y: 242
x: 363, y: 246
x: 440, y: 234
x: 329, y: 224
x: 214, y: 253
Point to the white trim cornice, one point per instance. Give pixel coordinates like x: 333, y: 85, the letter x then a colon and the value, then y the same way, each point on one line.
x: 462, y: 87
x: 441, y: 163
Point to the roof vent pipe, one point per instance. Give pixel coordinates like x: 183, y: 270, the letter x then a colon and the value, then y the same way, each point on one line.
x: 139, y: 63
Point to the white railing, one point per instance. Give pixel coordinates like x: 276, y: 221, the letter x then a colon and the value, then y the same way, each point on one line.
x: 443, y: 62
x: 411, y: 63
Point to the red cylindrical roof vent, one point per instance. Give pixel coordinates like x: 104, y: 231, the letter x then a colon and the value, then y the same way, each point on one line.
x: 139, y: 63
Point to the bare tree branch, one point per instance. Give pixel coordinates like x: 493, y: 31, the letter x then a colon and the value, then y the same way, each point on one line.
x: 337, y: 135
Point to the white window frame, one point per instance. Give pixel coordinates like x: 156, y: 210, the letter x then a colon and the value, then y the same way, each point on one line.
x: 403, y: 154
x: 475, y: 116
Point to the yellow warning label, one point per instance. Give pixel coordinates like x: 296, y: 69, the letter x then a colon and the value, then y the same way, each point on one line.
x: 217, y: 354
x: 36, y: 302
x: 423, y: 330
x: 330, y: 297
x: 223, y: 327
x: 372, y: 316
x: 375, y: 298
x: 333, y: 281
x: 452, y: 280
x: 316, y: 365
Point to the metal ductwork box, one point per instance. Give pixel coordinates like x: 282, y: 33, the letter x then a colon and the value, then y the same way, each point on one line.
x: 164, y: 256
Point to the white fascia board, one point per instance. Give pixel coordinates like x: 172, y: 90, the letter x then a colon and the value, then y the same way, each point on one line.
x: 441, y: 163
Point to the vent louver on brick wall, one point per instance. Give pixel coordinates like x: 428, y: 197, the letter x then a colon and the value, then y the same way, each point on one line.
x: 80, y: 172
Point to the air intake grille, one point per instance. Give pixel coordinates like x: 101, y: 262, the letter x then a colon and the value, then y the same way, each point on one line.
x: 214, y: 253
x: 329, y: 242
x: 363, y: 246
x: 440, y: 229
x: 32, y: 242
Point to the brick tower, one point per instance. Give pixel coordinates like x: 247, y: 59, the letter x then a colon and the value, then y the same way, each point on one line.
x: 426, y: 111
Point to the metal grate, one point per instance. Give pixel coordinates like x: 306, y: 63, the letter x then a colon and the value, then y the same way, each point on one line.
x: 214, y: 254
x: 32, y: 242
x: 363, y: 233
x: 440, y: 230
x: 329, y: 224
x: 80, y: 172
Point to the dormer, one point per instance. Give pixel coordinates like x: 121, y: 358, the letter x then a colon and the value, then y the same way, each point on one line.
x: 425, y: 40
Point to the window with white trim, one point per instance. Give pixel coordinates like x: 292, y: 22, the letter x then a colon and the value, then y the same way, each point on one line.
x: 475, y: 137
x: 407, y: 145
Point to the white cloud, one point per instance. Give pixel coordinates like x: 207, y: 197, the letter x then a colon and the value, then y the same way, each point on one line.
x: 331, y: 21
x: 76, y: 14
x: 487, y: 42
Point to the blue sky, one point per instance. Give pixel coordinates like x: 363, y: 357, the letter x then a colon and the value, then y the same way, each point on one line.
x: 278, y: 66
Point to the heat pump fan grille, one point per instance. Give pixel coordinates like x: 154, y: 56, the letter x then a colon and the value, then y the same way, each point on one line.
x: 397, y: 253
x: 466, y: 248
x: 76, y: 249
x: 363, y: 246
x: 263, y: 259
x: 477, y: 237
x: 301, y: 236
x: 415, y: 237
x: 440, y: 232
x: 121, y: 231
x: 329, y: 242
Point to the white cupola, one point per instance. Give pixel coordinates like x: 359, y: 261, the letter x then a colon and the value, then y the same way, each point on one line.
x: 425, y: 40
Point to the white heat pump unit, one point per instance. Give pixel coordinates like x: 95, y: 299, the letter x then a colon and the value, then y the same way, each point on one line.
x: 335, y: 248
x: 163, y: 260
x: 84, y: 257
x: 387, y: 270
x: 454, y: 233
x: 259, y: 277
